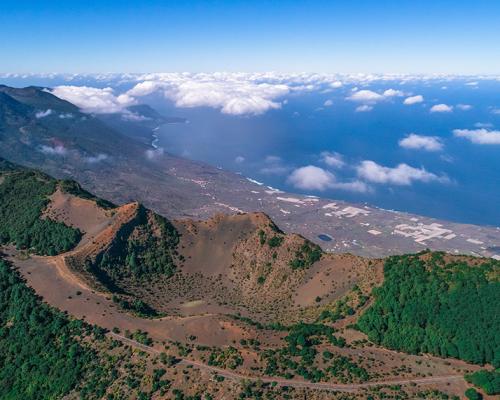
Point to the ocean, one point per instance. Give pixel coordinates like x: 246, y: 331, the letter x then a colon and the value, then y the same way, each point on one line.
x: 269, y: 147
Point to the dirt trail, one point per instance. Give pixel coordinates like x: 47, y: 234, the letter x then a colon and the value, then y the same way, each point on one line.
x: 65, y: 272
x: 354, y: 387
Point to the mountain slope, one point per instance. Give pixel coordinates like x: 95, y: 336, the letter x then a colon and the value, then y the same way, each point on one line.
x: 235, y: 292
x: 132, y: 251
x: 39, y: 128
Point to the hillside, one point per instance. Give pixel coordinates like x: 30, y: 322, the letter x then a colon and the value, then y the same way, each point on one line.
x: 33, y: 118
x: 236, y: 292
x: 225, y: 262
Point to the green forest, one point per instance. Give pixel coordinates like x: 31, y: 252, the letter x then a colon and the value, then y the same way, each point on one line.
x: 41, y: 355
x: 24, y: 195
x: 428, y: 305
x: 144, y: 247
x: 44, y: 354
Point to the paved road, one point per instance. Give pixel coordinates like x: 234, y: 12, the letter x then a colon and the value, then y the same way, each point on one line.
x: 353, y: 387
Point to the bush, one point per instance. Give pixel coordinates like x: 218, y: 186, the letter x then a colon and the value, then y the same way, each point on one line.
x: 489, y: 381
x: 275, y: 241
x: 473, y: 394
x: 306, y: 256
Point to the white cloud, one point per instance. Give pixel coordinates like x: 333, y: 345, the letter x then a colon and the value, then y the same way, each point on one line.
x: 332, y: 159
x: 365, y: 96
x: 402, y: 174
x: 311, y: 178
x: 413, y: 100
x: 328, y: 103
x: 43, y: 114
x: 475, y: 83
x: 441, y: 108
x: 364, y: 108
x: 495, y: 111
x: 231, y: 93
x: 479, y: 136
x: 94, y: 100
x: 414, y: 141
x: 66, y: 116
x: 315, y: 178
x: 239, y: 159
x: 393, y: 93
x: 58, y: 150
x: 370, y: 97
x: 464, y: 107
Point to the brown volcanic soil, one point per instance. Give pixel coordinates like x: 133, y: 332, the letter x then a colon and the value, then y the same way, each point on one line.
x: 227, y: 268
x: 59, y: 287
x: 224, y: 258
x: 80, y: 213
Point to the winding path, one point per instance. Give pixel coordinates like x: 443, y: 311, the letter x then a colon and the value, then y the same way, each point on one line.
x: 353, y: 387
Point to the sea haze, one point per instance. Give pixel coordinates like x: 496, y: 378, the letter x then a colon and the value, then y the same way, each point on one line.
x: 269, y: 147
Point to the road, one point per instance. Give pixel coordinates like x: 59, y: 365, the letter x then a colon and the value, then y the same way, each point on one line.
x: 353, y: 387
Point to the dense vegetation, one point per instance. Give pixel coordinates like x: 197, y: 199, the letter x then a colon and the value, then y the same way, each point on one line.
x: 24, y: 195
x: 306, y: 256
x: 46, y: 355
x: 428, y: 305
x: 489, y: 381
x: 143, y: 248
x: 41, y: 356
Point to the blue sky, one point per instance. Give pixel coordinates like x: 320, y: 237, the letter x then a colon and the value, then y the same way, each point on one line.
x: 332, y: 36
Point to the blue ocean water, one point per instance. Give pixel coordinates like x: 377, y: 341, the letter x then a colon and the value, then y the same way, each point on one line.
x: 270, y: 146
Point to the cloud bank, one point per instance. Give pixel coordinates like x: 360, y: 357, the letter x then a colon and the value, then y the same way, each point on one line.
x: 232, y: 94
x: 94, y: 100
